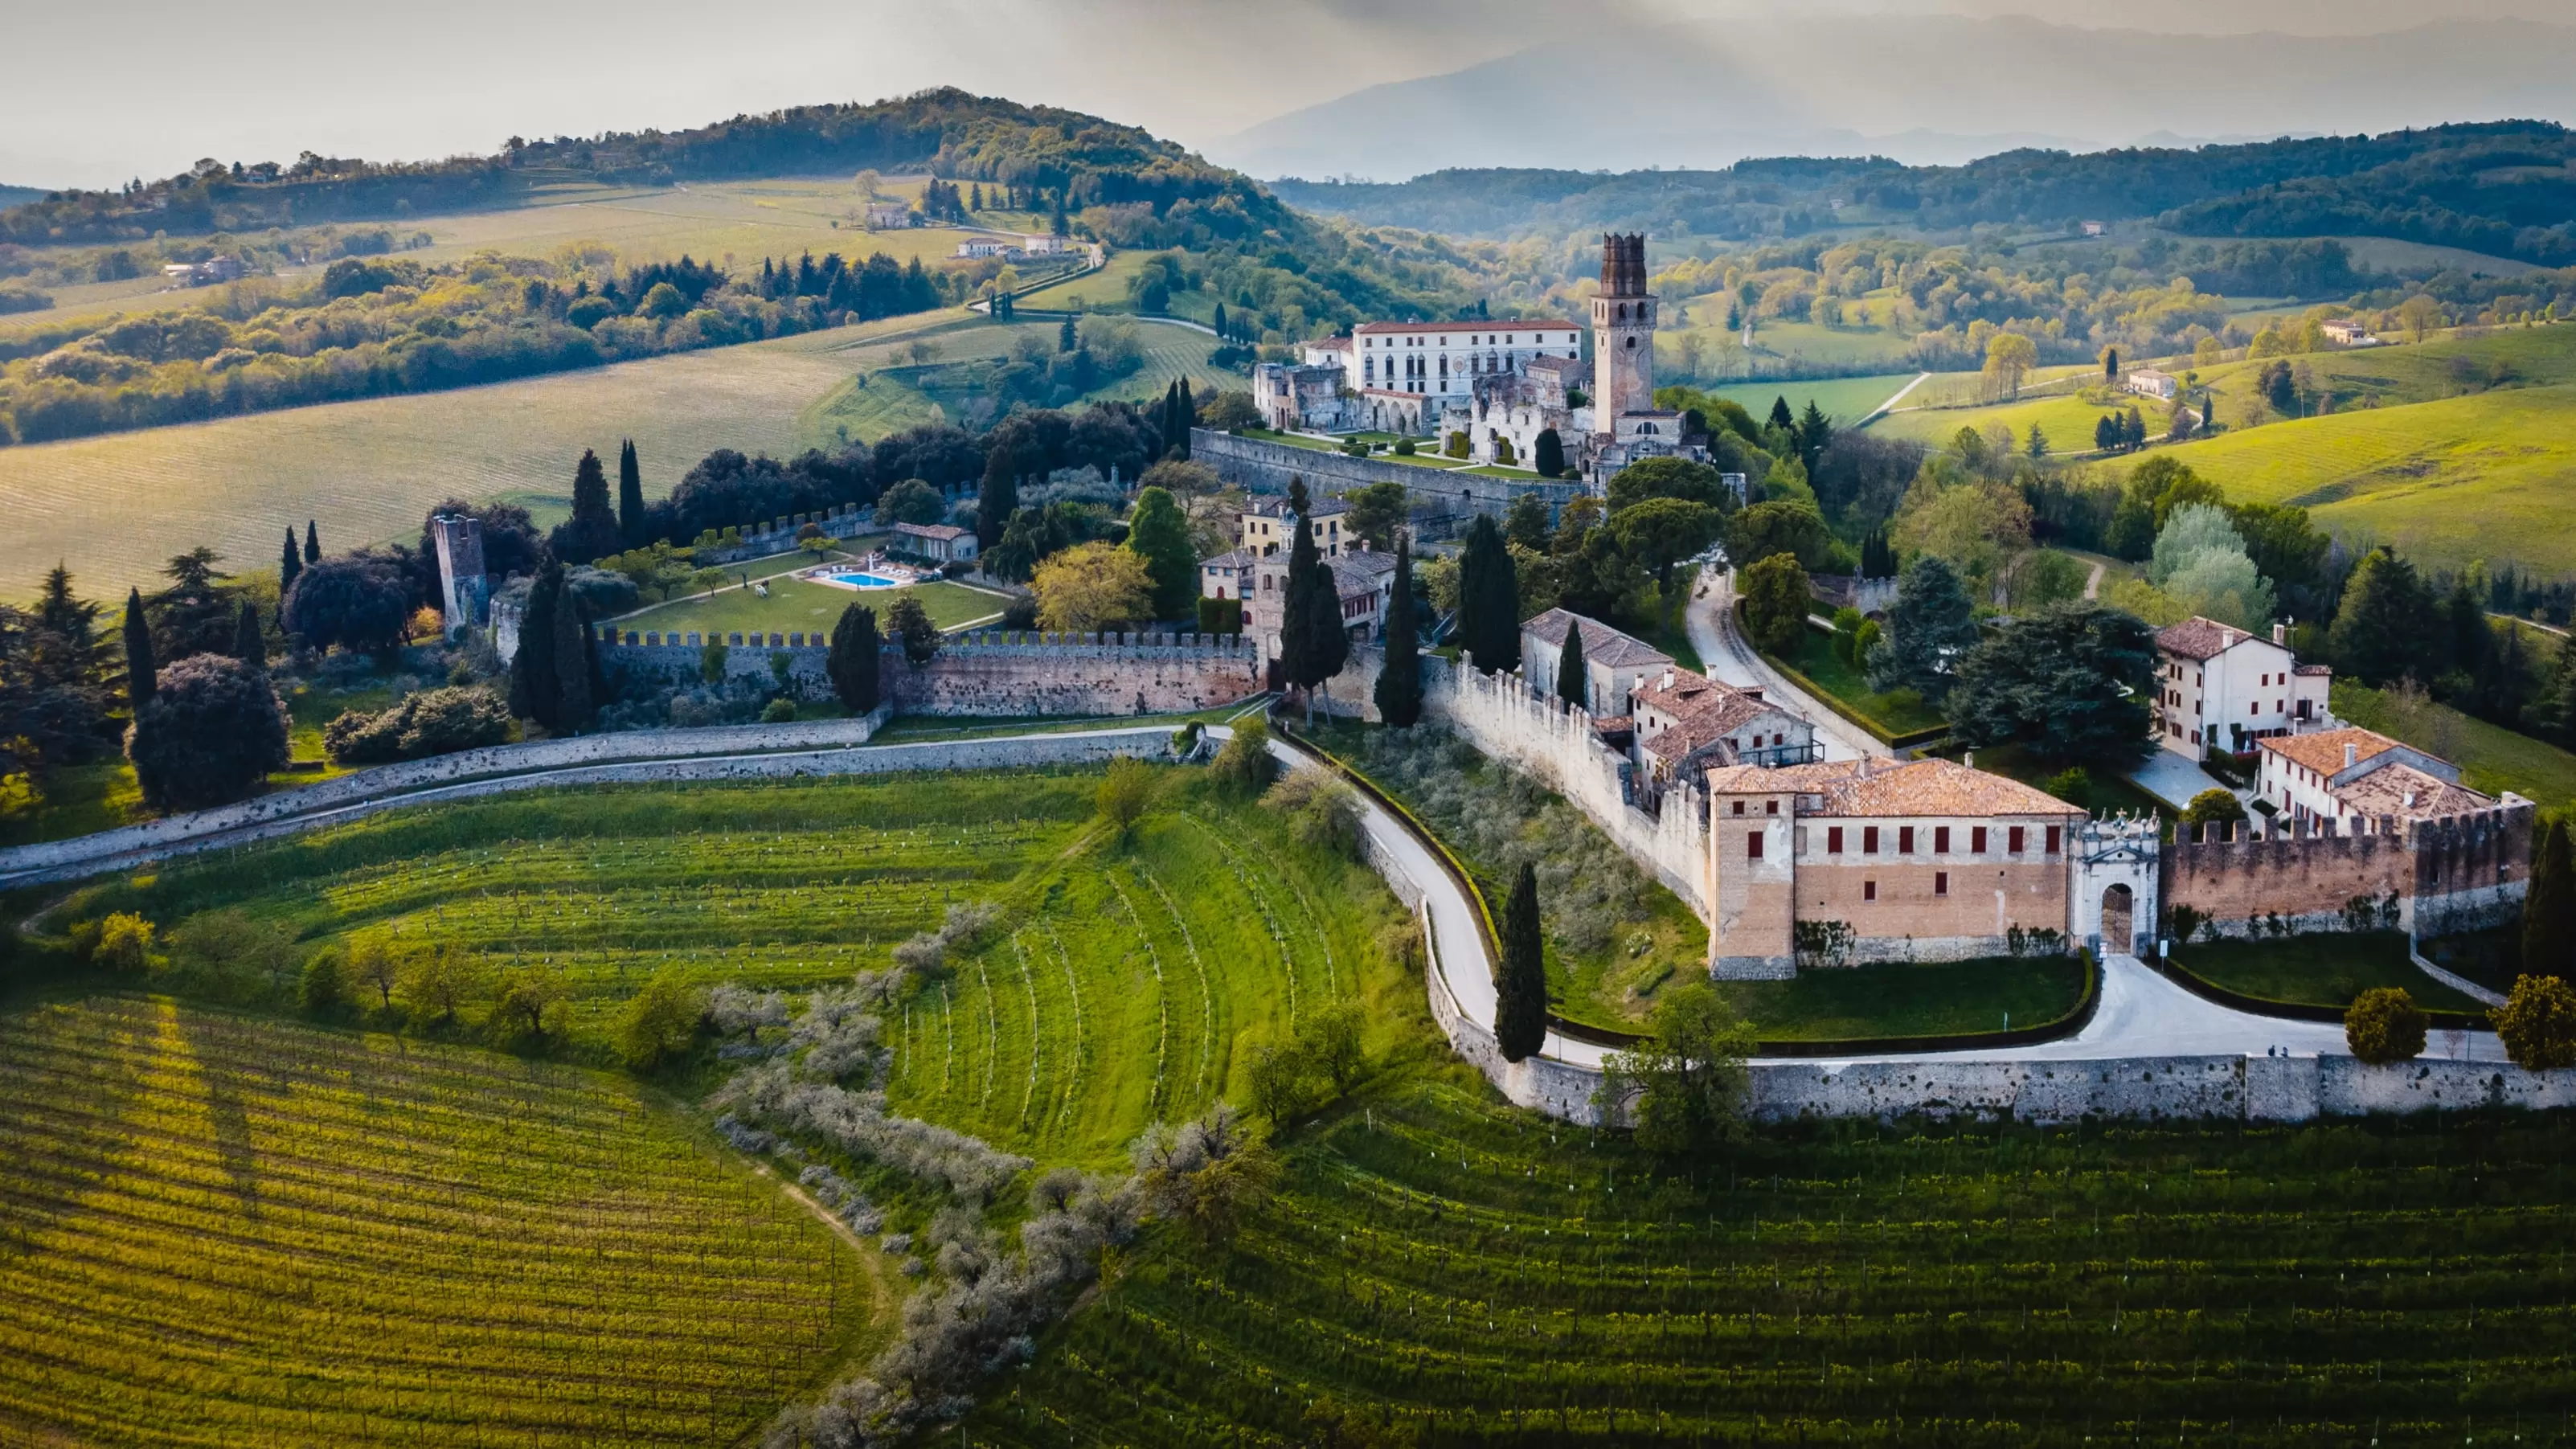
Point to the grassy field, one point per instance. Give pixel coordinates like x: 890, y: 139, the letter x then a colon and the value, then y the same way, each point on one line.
x: 878, y: 403
x: 2318, y: 970
x: 1845, y: 399
x: 114, y: 507
x: 797, y: 605
x: 1439, y: 1268
x: 1101, y: 291
x: 1907, y: 1000
x: 228, y: 1231
x: 1899, y: 711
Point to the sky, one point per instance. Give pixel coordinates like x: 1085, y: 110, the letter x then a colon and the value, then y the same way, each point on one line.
x: 264, y: 79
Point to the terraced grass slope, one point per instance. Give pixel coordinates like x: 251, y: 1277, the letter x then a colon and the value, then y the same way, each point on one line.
x: 1440, y: 1269
x: 222, y: 1231
x: 1133, y: 981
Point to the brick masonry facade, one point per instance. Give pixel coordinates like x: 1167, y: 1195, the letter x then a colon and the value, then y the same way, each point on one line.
x: 2425, y: 877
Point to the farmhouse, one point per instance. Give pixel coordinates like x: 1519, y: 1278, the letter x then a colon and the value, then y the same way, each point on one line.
x: 889, y: 216
x: 1614, y: 663
x: 2221, y: 687
x: 2348, y: 332
x: 938, y: 542
x: 1686, y: 723
x: 2149, y: 382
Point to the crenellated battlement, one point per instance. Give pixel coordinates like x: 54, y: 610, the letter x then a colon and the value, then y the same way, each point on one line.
x: 2428, y: 876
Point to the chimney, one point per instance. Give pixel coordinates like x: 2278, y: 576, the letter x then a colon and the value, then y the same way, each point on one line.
x: 1969, y: 759
x: 2351, y: 754
x: 2281, y: 634
x: 2410, y: 799
x: 1668, y: 679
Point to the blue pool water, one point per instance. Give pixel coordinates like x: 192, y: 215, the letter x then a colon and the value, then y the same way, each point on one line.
x: 864, y: 581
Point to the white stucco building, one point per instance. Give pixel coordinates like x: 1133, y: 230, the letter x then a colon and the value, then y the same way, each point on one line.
x: 2218, y: 685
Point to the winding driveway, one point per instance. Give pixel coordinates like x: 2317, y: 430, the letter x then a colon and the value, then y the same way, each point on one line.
x: 1708, y: 617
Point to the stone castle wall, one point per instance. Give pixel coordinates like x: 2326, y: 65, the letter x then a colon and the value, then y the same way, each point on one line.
x: 993, y: 673
x: 1262, y: 466
x: 2457, y: 873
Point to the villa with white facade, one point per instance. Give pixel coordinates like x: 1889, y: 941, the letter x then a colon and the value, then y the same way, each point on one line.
x: 2224, y: 687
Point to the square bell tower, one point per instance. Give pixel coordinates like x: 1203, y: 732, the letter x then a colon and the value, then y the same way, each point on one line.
x: 1623, y: 334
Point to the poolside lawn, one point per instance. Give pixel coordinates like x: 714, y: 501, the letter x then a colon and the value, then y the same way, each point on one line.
x: 2319, y: 970
x: 795, y: 605
x: 1902, y: 999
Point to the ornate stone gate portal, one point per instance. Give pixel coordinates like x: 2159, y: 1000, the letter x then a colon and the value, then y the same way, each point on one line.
x: 2117, y: 865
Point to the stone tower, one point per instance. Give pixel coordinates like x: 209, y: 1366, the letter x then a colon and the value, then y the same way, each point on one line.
x: 465, y: 595
x: 1623, y: 334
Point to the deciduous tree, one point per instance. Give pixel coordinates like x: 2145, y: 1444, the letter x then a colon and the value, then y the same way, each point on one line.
x: 208, y: 734
x: 1159, y: 533
x: 1775, y: 603
x: 1684, y: 1086
x: 1091, y: 587
x: 2537, y: 1023
x: 911, y: 623
x: 1929, y: 631
x: 2384, y: 1025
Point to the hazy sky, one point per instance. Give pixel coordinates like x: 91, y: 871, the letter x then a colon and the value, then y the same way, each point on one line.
x: 263, y: 79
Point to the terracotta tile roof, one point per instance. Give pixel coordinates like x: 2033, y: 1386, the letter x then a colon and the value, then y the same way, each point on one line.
x: 1900, y: 788
x: 930, y: 530
x: 2386, y: 790
x: 2310, y: 671
x: 1478, y: 327
x: 2323, y: 750
x: 1601, y: 644
x: 1557, y: 364
x: 2200, y: 638
x: 1703, y: 710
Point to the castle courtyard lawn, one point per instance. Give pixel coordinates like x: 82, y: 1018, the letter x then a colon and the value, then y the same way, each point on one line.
x: 1895, y: 999
x: 2319, y: 970
x: 794, y: 605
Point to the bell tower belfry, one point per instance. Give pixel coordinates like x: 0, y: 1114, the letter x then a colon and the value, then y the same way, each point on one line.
x: 1623, y: 334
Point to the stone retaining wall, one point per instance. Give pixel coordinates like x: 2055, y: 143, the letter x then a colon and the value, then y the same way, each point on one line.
x: 1262, y: 466
x: 986, y: 672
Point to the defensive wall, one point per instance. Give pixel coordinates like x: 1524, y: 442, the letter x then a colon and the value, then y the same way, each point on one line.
x: 985, y: 672
x: 1262, y: 466
x: 2425, y: 877
x: 778, y: 535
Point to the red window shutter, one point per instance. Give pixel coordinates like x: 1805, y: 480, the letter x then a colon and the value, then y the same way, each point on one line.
x: 2014, y: 840
x: 1834, y: 840
x: 1753, y: 845
x: 1977, y: 840
x: 1940, y: 882
x: 1940, y: 840
x: 1869, y: 840
x: 1905, y: 840
x: 2056, y: 838
x: 1869, y: 890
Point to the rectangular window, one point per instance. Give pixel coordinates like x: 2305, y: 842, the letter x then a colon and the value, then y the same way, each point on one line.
x: 1977, y: 840
x: 1753, y: 845
x: 2056, y: 838
x: 1940, y: 882
x: 1834, y: 840
x: 1770, y: 807
x: 2014, y: 838
x: 1869, y: 890
x: 1940, y: 840
x: 1905, y: 840
x: 1869, y: 840
x: 1739, y: 807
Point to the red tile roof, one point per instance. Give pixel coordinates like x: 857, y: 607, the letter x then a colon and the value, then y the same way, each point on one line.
x: 1892, y: 788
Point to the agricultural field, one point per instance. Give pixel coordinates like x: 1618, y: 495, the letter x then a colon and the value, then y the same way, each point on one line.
x: 1845, y: 399
x: 1779, y: 345
x: 1101, y: 291
x: 2491, y: 758
x: 1437, y: 1267
x: 797, y: 605
x: 223, y: 1230
x: 896, y: 396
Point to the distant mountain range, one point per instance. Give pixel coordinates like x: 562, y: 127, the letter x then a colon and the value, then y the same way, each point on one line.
x: 1925, y: 90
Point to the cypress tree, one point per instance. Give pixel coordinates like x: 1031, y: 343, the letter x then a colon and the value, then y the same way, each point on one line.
x: 1066, y: 337
x: 1399, y: 683
x: 250, y: 646
x: 139, y: 672
x: 289, y: 564
x: 1489, y: 599
x: 2549, y: 910
x: 573, y: 698
x: 1219, y: 325
x: 1186, y: 413
x: 1520, y: 980
x: 532, y: 669
x: 998, y: 499
x: 1329, y: 637
x: 1171, y: 419
x: 312, y: 543
x: 1550, y: 452
x: 591, y: 533
x: 630, y: 496
x: 853, y: 660
x: 1299, y: 651
x: 1571, y: 685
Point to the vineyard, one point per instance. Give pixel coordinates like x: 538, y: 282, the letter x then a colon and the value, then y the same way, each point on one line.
x: 222, y: 1231
x: 1439, y: 1269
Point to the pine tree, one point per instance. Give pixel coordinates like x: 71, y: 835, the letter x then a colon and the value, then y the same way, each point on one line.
x: 312, y: 543
x: 854, y: 659
x: 630, y: 496
x: 250, y: 645
x: 532, y: 670
x: 139, y: 673
x: 1489, y: 599
x: 1520, y: 982
x: 573, y: 697
x: 2549, y: 908
x: 2038, y: 442
x: 1783, y: 419
x: 1399, y: 682
x: 997, y: 499
x: 289, y: 564
x: 1573, y: 686
x: 1066, y: 338
x: 591, y: 534
x: 1183, y: 418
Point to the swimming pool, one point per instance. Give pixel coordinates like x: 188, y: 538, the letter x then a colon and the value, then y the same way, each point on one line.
x: 855, y: 580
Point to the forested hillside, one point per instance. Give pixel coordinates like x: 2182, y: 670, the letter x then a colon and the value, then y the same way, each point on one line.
x: 2504, y: 188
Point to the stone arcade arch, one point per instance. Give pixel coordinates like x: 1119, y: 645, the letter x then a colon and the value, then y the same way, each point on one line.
x: 2118, y: 912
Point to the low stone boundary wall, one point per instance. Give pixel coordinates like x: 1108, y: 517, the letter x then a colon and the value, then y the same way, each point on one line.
x: 984, y: 672
x: 361, y: 785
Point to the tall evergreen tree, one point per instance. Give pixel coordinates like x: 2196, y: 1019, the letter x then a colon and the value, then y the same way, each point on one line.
x: 630, y: 497
x: 1223, y: 333
x: 1399, y: 682
x: 1520, y: 983
x: 1573, y: 684
x: 1067, y: 337
x: 2111, y: 365
x: 2549, y: 908
x: 139, y: 673
x: 1170, y: 419
x: 2383, y: 632
x: 855, y: 658
x: 1300, y: 652
x: 1184, y: 416
x: 250, y: 645
x: 1781, y: 418
x: 289, y: 564
x: 997, y: 499
x: 1489, y: 599
x: 532, y: 670
x: 1061, y: 225
x: 1329, y: 634
x: 312, y: 543
x: 591, y: 534
x: 2135, y: 433
x: 1815, y: 430
x: 573, y: 644
x: 1550, y: 451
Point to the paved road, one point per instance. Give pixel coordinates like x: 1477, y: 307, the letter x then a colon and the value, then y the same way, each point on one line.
x: 1709, y: 619
x: 2171, y: 778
